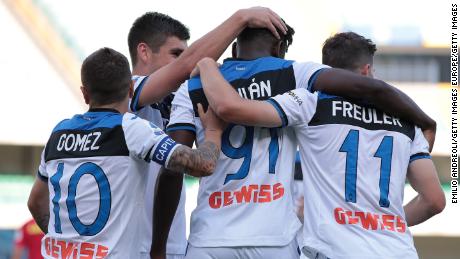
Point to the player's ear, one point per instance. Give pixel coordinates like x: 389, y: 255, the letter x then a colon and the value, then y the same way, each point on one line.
x: 234, y: 50
x: 143, y: 52
x: 85, y: 93
x: 278, y: 50
x: 366, y: 70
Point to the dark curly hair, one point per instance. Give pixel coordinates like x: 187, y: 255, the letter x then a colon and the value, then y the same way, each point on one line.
x: 265, y: 35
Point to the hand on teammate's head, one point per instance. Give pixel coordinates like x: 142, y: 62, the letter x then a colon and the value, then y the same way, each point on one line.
x: 203, y: 62
x: 210, y: 120
x: 262, y: 17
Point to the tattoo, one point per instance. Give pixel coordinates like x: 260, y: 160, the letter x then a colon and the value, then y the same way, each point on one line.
x: 42, y: 222
x: 201, y: 160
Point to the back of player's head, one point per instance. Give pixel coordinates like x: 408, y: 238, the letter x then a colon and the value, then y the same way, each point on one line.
x: 348, y: 50
x: 263, y: 38
x: 106, y: 76
x: 154, y: 29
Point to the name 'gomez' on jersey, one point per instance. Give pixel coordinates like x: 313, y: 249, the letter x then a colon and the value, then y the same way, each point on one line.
x: 247, y: 201
x: 95, y: 165
x: 355, y: 160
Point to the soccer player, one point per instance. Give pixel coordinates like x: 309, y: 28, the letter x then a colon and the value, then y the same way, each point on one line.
x: 354, y: 156
x: 154, y: 41
x: 158, y: 45
x: 246, y: 206
x: 93, y: 170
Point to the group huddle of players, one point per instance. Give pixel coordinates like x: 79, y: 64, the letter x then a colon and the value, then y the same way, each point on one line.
x: 110, y: 182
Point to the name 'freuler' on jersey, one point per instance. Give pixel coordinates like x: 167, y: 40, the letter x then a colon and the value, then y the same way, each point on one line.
x: 355, y: 159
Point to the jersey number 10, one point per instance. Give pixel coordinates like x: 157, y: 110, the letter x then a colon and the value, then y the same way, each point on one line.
x: 104, y: 202
x: 384, y: 152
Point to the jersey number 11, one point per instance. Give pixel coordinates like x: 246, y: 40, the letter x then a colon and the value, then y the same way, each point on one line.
x: 384, y: 152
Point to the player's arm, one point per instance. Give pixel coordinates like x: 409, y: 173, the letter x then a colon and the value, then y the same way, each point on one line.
x: 228, y: 105
x: 167, y: 197
x: 384, y: 96
x: 201, y: 161
x: 38, y: 203
x: 167, y: 79
x: 169, y: 187
x: 430, y: 200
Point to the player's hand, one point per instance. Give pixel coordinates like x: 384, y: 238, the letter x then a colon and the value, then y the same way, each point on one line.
x: 204, y: 63
x: 211, y: 123
x: 262, y: 17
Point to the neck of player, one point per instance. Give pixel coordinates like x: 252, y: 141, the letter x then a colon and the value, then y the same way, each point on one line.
x: 139, y: 70
x: 253, y: 53
x: 121, y: 107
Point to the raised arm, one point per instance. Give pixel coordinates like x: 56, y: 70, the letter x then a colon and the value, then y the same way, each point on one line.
x: 384, y: 96
x: 228, y: 105
x: 167, y: 79
x: 430, y: 200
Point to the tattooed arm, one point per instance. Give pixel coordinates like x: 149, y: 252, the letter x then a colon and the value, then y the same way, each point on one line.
x: 200, y: 161
x: 38, y: 204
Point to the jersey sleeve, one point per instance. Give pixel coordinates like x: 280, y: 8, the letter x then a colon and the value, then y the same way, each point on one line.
x: 306, y: 73
x: 41, y: 172
x: 419, y: 147
x: 182, y: 115
x: 139, y: 82
x: 147, y: 141
x: 295, y: 107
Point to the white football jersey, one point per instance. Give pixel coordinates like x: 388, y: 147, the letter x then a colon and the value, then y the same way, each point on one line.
x: 96, y: 167
x: 354, y: 161
x: 177, y: 240
x: 247, y: 201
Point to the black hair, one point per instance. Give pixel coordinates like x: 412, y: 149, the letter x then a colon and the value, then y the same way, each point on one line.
x: 348, y: 50
x: 154, y: 29
x: 106, y: 75
x: 265, y: 35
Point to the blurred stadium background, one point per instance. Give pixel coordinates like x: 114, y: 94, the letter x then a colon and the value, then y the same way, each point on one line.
x: 44, y: 42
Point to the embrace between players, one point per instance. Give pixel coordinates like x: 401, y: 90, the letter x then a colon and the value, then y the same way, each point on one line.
x: 110, y: 182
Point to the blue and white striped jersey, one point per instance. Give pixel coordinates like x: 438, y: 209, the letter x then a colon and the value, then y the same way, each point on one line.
x: 247, y: 201
x: 96, y: 167
x: 354, y: 160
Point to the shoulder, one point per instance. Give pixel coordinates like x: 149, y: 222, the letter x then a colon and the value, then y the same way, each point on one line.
x: 133, y: 121
x: 184, y: 87
x: 308, y: 66
x: 138, y: 80
x: 182, y: 96
x: 62, y: 125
